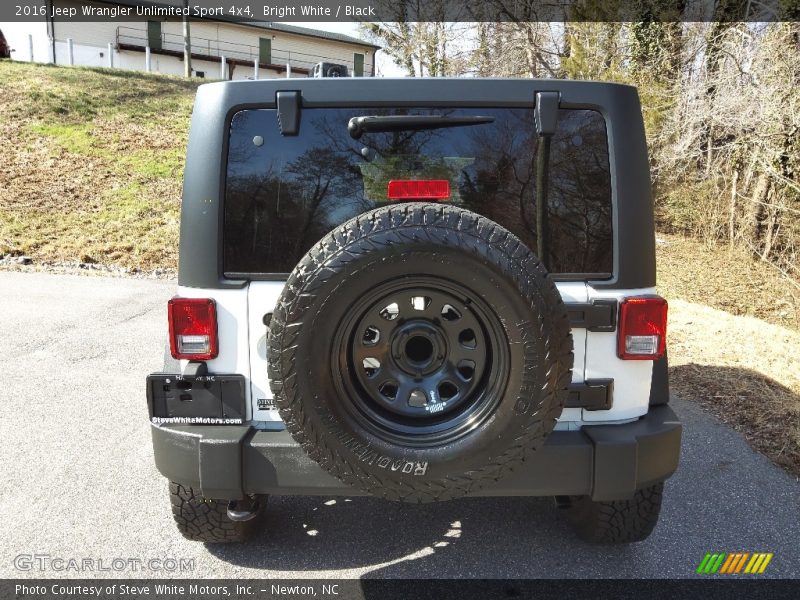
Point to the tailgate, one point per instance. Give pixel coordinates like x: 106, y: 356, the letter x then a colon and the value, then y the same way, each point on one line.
x: 263, y: 296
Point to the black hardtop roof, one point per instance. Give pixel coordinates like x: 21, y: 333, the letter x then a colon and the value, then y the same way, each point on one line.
x: 369, y: 91
x: 421, y: 81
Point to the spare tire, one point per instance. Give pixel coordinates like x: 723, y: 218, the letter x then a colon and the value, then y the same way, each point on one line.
x: 420, y: 352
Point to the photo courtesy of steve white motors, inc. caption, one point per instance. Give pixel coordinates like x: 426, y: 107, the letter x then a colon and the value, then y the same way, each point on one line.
x: 145, y: 589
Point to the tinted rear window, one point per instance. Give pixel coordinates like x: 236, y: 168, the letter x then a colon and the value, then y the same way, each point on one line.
x: 285, y: 193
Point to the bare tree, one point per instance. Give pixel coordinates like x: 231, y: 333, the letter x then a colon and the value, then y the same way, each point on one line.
x: 421, y: 40
x: 727, y: 155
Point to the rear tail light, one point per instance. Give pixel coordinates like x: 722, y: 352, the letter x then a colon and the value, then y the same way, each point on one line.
x: 642, y: 328
x: 192, y: 328
x: 418, y: 189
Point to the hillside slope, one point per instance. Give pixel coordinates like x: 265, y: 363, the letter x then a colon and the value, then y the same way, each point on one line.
x: 91, y: 164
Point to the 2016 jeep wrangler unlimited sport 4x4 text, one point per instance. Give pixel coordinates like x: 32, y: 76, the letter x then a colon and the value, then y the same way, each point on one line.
x: 418, y: 290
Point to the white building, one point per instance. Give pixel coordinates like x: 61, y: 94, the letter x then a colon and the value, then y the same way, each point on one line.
x: 220, y: 48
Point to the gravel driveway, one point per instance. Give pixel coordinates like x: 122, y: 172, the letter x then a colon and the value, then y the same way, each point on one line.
x: 79, y: 481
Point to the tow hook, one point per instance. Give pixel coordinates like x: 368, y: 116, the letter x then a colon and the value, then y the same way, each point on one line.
x: 243, y: 510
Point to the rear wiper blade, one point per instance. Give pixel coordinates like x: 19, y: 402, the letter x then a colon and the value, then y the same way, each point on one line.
x: 360, y: 125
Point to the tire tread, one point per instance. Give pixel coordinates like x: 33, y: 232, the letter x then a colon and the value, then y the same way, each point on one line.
x: 444, y: 225
x: 204, y: 520
x: 618, y: 521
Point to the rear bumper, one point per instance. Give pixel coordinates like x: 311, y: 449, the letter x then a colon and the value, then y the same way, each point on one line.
x: 607, y: 462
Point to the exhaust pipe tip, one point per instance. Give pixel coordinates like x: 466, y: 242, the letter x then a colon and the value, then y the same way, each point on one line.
x: 244, y: 509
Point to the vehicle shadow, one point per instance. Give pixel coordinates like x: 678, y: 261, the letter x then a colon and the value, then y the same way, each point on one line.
x: 765, y: 412
x: 719, y: 480
x: 323, y: 533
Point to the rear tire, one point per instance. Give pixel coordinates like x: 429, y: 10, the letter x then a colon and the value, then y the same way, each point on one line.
x: 204, y: 520
x: 616, y: 521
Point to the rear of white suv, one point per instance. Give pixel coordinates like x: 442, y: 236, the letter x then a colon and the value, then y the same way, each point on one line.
x: 292, y: 170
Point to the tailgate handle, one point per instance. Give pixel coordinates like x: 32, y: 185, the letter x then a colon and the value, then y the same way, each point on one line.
x: 597, y: 315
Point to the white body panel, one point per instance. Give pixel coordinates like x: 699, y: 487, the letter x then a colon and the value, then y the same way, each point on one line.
x: 632, y: 378
x: 233, y: 333
x: 243, y: 350
x: 263, y: 295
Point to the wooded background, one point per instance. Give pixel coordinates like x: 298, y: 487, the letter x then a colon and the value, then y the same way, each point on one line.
x: 721, y: 102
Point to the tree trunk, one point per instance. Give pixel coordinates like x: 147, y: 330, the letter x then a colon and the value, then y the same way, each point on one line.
x: 758, y: 212
x: 771, y: 228
x: 732, y: 209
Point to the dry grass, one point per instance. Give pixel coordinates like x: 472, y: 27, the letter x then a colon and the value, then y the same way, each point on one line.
x: 726, y: 278
x: 743, y: 369
x: 91, y: 164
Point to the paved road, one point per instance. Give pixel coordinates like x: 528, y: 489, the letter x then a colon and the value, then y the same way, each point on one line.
x: 78, y: 478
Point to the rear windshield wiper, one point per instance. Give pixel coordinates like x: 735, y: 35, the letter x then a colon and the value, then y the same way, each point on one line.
x: 360, y: 125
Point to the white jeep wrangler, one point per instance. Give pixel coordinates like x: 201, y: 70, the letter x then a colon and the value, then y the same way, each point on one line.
x: 417, y: 290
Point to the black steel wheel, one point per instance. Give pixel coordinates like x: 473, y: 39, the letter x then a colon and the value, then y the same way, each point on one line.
x: 420, y: 352
x: 426, y: 360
